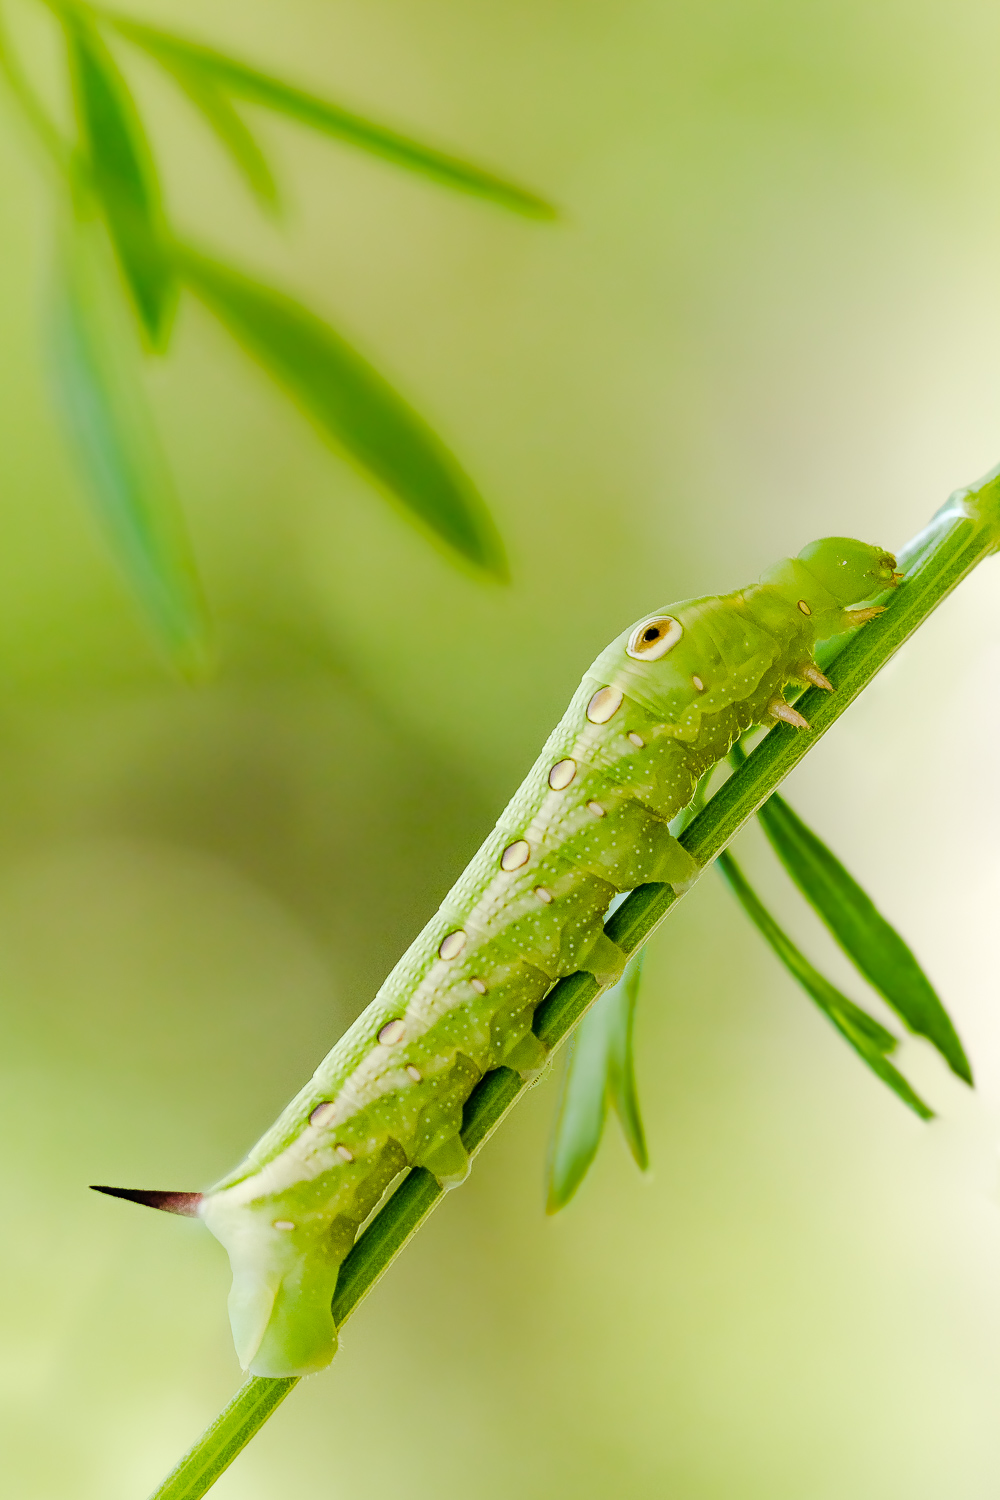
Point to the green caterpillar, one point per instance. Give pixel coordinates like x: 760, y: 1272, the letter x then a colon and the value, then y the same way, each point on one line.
x: 660, y: 706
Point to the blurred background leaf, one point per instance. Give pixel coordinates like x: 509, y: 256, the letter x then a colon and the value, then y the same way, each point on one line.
x: 343, y: 393
x: 352, y: 404
x: 122, y: 174
x: 99, y: 387
x: 222, y: 71
x: 230, y: 128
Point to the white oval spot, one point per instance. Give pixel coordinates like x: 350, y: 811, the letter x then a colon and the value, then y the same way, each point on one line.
x: 323, y: 1112
x: 514, y: 856
x: 452, y: 945
x: 543, y: 895
x: 804, y: 607
x: 654, y: 637
x: 344, y: 1152
x: 605, y: 702
x: 414, y: 1073
x: 283, y: 1224
x: 562, y: 773
x: 596, y: 809
x: 698, y: 683
x: 392, y: 1032
x: 478, y: 986
x: 636, y: 739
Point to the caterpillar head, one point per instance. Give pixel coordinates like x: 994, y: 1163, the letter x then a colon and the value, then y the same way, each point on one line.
x: 850, y: 570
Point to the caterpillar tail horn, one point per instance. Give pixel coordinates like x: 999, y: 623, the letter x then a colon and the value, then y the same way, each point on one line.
x: 171, y: 1203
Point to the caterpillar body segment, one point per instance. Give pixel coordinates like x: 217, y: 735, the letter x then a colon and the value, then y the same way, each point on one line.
x: 658, y: 708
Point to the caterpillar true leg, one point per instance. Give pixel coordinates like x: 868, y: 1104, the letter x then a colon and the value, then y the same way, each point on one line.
x: 779, y: 709
x: 862, y: 616
x: 811, y: 673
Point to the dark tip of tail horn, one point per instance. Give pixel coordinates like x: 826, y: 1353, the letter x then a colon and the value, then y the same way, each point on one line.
x: 170, y: 1203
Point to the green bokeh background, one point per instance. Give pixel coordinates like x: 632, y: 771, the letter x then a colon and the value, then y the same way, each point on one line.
x: 771, y: 311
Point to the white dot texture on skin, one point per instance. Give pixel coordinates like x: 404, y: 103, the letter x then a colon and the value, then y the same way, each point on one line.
x: 515, y: 855
x: 604, y: 704
x: 283, y: 1224
x: 452, y: 945
x: 392, y: 1032
x: 562, y: 773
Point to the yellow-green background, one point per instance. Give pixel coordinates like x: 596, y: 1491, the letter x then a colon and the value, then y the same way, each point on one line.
x: 771, y: 311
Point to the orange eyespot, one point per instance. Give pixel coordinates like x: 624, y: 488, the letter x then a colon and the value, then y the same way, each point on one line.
x: 654, y: 638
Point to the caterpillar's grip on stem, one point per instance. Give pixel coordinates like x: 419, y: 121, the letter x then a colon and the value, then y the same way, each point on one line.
x: 658, y: 708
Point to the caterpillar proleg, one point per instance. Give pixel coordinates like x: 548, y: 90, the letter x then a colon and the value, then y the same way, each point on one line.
x: 660, y: 706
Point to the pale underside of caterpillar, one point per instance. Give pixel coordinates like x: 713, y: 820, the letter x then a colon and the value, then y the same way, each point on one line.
x: 659, y: 707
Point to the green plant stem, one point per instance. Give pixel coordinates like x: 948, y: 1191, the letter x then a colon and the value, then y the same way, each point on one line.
x: 964, y: 531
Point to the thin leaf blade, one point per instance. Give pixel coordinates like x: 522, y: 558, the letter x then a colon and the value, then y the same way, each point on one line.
x: 624, y: 1090
x: 869, y: 1040
x: 122, y: 174
x: 579, y: 1125
x: 100, y: 395
x: 599, y: 1071
x: 352, y: 403
x: 872, y: 944
x: 230, y: 129
x: 331, y: 119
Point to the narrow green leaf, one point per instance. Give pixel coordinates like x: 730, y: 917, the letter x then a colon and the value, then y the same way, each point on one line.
x: 600, y: 1070
x: 98, y: 380
x: 624, y: 1090
x: 870, y: 1040
x: 320, y: 114
x: 122, y: 174
x: 866, y: 937
x: 582, y: 1109
x: 352, y: 403
x: 864, y: 934
x: 229, y: 127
